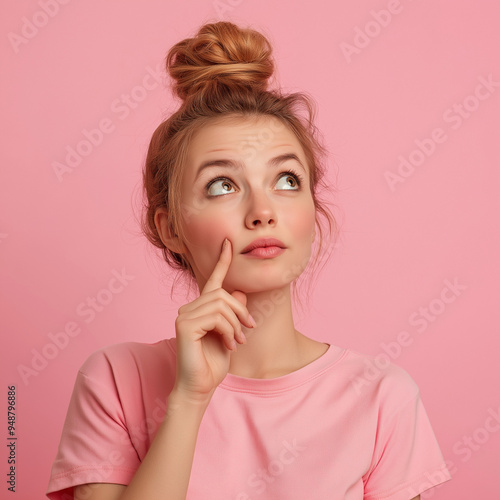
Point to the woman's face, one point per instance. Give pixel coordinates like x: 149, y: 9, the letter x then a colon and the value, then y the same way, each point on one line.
x: 238, y: 184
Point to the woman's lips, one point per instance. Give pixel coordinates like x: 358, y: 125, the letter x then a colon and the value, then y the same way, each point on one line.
x: 265, y: 252
x: 264, y: 248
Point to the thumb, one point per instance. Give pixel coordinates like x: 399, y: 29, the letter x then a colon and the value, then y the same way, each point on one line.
x: 240, y: 296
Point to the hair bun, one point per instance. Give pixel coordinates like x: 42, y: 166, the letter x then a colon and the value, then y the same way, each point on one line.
x: 220, y: 53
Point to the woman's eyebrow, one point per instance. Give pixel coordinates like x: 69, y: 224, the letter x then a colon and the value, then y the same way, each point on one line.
x: 273, y: 162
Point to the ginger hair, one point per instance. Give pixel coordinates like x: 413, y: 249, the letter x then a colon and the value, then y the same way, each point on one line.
x: 223, y: 72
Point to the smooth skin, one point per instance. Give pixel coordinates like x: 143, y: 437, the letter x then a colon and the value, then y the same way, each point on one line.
x: 215, y: 332
x: 256, y: 197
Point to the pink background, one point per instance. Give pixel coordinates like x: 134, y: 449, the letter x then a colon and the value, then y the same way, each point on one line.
x: 61, y: 239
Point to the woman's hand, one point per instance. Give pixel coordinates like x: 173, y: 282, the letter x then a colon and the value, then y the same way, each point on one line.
x: 207, y: 330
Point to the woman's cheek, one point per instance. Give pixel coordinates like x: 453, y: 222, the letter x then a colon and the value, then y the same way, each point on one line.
x: 302, y: 221
x: 205, y: 236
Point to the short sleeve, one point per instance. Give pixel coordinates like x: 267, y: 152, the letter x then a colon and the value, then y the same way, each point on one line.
x: 95, y: 445
x: 407, y: 459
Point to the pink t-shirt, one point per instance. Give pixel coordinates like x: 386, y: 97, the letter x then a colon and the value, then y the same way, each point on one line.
x: 341, y: 427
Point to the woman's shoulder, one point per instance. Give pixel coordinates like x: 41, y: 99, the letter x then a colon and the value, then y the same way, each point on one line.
x: 378, y: 375
x: 129, y: 356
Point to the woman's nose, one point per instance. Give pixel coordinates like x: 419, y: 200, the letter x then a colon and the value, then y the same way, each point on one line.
x: 260, y: 211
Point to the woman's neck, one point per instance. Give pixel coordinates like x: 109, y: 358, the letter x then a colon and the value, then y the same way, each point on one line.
x: 274, y: 347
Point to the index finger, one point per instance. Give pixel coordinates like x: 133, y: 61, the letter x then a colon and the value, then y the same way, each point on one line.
x: 220, y: 270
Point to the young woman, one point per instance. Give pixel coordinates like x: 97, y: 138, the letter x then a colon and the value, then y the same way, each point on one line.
x: 239, y: 404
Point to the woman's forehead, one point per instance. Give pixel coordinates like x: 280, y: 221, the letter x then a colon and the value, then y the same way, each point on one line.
x: 241, y: 135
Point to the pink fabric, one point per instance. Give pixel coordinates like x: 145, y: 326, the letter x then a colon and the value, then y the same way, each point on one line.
x: 338, y: 428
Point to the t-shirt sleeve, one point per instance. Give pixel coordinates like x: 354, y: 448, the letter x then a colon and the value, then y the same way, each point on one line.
x: 407, y: 459
x: 95, y: 445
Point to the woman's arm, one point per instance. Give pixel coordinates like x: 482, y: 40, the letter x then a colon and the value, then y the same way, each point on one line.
x: 164, y: 473
x: 206, y: 331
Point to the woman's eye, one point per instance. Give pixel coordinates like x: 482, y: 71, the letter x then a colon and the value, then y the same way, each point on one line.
x: 219, y: 187
x: 288, y: 181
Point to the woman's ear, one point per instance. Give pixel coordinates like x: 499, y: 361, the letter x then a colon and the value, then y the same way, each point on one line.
x: 169, y: 239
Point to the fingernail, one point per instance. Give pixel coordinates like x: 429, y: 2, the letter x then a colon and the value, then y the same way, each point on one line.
x: 252, y: 321
x: 243, y: 337
x: 233, y: 345
x: 224, y: 243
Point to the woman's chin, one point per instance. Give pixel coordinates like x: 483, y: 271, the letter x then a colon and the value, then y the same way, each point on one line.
x: 255, y: 288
